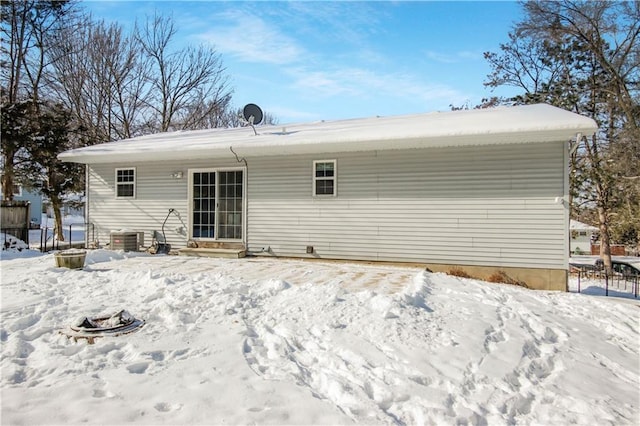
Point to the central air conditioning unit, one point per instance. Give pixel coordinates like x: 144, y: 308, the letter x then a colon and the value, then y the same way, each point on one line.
x: 126, y: 241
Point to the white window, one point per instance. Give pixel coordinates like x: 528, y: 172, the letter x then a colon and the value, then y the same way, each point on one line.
x: 126, y: 183
x: 324, y: 178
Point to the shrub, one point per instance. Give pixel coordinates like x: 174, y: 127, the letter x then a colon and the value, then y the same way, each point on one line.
x: 459, y: 272
x: 503, y: 278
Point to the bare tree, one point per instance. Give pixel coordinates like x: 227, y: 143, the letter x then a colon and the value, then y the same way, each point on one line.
x: 28, y: 32
x: 207, y: 114
x: 15, y: 35
x: 101, y: 79
x: 182, y: 81
x: 234, y: 118
x: 610, y: 32
x: 120, y: 85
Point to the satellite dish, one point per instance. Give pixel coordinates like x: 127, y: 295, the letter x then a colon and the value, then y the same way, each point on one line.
x: 252, y: 113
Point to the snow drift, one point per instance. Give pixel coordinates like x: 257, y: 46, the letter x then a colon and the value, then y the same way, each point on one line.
x: 295, y: 342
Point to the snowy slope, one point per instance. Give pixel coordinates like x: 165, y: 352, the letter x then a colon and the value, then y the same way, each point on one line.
x: 296, y: 342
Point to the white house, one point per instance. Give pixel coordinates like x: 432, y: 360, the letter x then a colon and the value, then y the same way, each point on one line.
x: 582, y: 235
x: 443, y: 189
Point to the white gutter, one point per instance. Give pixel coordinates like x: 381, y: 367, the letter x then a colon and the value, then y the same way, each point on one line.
x: 261, y: 147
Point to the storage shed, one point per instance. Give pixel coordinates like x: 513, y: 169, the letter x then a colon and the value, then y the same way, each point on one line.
x: 444, y: 189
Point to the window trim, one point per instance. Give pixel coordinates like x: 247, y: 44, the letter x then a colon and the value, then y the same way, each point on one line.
x: 334, y: 178
x: 118, y: 184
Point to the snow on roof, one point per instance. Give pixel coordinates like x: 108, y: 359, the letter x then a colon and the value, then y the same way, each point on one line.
x: 574, y: 225
x: 502, y: 125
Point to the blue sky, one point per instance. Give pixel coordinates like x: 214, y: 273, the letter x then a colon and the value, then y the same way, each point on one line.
x: 306, y: 61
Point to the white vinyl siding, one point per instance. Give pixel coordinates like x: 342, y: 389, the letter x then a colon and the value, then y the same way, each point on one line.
x: 478, y: 205
x: 157, y: 190
x: 492, y: 205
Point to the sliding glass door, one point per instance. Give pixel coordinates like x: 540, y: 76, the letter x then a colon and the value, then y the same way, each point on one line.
x: 217, y: 204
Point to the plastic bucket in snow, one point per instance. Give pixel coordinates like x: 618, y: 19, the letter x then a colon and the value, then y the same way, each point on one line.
x: 72, y: 259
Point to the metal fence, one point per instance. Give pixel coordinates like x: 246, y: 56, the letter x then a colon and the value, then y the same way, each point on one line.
x: 619, y: 282
x: 49, y: 242
x: 47, y: 239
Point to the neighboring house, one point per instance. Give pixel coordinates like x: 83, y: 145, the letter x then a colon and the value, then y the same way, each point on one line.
x: 72, y: 205
x: 582, y: 236
x: 461, y: 188
x: 35, y: 200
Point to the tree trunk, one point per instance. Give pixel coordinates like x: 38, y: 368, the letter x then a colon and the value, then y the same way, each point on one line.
x: 56, y: 204
x: 8, y: 175
x: 605, y: 241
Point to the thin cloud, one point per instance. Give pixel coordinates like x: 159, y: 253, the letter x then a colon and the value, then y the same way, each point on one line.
x: 275, y: 35
x: 323, y: 83
x: 366, y: 84
x: 292, y: 114
x: 343, y: 22
x: 251, y: 39
x: 269, y: 39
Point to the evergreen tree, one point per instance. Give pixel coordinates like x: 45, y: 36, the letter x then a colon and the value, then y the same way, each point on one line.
x: 15, y: 137
x: 44, y: 131
x: 47, y: 130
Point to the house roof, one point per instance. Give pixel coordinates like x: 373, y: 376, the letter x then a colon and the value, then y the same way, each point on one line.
x: 574, y: 225
x: 501, y: 125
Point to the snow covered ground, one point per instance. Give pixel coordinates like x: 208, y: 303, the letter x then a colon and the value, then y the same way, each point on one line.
x: 296, y: 342
x: 615, y: 287
x: 73, y: 230
x: 595, y: 284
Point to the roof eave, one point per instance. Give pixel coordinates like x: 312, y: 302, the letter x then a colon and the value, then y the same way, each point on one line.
x: 219, y: 150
